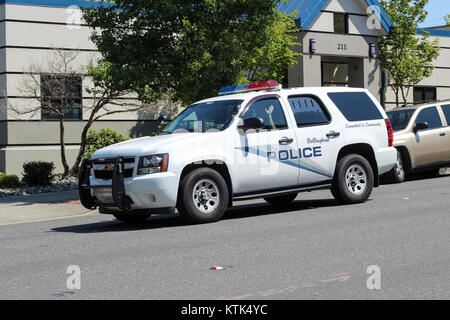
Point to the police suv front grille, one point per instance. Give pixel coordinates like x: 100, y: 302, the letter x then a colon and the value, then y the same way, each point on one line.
x: 103, y: 168
x: 107, y: 175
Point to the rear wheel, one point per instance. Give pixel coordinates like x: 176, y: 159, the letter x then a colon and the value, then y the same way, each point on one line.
x: 354, y: 180
x: 397, y: 174
x: 203, y: 196
x: 280, y: 201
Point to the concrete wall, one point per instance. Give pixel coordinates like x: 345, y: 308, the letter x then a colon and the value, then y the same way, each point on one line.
x: 29, y: 36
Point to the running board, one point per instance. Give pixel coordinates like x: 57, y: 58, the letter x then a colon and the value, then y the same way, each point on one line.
x: 264, y: 194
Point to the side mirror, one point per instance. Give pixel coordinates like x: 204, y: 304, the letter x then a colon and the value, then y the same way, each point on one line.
x: 163, y: 119
x: 252, y: 123
x: 419, y: 126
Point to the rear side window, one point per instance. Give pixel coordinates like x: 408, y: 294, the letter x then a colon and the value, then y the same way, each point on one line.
x: 308, y: 110
x: 356, y: 106
x: 431, y: 116
x: 446, y: 110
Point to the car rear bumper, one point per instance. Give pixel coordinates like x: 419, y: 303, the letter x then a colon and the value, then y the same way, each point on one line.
x: 386, y: 159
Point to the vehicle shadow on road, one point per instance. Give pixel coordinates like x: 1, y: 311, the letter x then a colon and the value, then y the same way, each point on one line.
x: 174, y: 220
x: 417, y: 176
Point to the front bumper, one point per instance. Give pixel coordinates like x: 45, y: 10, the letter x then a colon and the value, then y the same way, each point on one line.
x: 152, y: 191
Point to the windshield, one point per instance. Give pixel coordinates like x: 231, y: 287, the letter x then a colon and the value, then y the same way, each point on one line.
x: 216, y: 115
x: 400, y: 118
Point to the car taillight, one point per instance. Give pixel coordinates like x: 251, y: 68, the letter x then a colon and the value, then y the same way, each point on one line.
x: 390, y: 132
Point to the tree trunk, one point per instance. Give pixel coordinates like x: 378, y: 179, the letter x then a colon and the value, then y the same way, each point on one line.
x: 82, y: 149
x: 404, y: 96
x: 84, y: 134
x: 63, y: 147
x: 396, y: 97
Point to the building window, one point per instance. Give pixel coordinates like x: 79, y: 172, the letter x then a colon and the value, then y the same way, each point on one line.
x: 334, y: 74
x: 340, y: 23
x: 61, y: 95
x: 424, y: 94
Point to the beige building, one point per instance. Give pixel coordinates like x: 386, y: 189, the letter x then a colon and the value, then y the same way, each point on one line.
x: 340, y: 48
x: 30, y: 31
x: 339, y: 45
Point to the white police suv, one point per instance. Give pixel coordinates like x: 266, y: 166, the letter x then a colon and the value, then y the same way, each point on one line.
x: 253, y: 141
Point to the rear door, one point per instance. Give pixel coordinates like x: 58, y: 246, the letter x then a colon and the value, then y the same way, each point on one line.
x: 446, y: 113
x: 430, y: 145
x: 319, y: 139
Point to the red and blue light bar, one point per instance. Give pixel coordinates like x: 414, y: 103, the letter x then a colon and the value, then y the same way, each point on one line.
x: 255, y: 86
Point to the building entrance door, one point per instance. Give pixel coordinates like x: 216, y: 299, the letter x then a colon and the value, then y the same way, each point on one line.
x: 335, y: 74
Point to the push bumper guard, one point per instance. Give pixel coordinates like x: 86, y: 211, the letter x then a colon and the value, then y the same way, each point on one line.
x: 121, y: 201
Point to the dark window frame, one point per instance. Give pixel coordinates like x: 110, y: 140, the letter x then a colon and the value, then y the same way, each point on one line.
x: 422, y: 91
x: 77, y: 97
x: 345, y: 15
x: 321, y: 105
x: 332, y: 84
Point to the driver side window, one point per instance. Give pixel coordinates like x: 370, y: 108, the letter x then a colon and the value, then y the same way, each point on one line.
x: 431, y: 116
x: 270, y: 111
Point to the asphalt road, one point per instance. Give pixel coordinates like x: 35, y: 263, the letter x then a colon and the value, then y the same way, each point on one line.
x: 315, y: 249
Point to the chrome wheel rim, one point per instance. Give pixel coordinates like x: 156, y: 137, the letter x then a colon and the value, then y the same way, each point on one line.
x: 206, y: 197
x: 356, y: 179
x: 399, y: 166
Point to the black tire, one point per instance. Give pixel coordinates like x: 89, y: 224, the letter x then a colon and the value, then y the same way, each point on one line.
x: 433, y: 173
x: 203, y: 197
x: 132, y: 218
x: 281, y: 201
x: 398, y: 173
x: 354, y: 180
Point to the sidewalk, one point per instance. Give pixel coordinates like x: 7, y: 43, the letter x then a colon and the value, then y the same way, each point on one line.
x: 39, y: 207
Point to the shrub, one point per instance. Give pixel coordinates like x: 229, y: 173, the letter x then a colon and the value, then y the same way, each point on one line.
x: 9, y: 181
x: 97, y: 140
x: 38, y: 173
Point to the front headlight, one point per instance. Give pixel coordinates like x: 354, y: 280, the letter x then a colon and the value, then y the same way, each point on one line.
x: 153, y: 164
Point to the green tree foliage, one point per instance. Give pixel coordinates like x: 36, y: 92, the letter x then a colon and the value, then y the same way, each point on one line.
x: 190, y: 49
x: 97, y: 140
x: 447, y: 19
x: 272, y: 60
x: 405, y: 55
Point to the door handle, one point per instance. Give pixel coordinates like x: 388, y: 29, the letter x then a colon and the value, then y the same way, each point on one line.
x: 332, y: 134
x: 285, y: 141
x: 442, y: 134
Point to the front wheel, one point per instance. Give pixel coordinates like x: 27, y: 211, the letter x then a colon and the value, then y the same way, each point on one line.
x: 280, y: 201
x: 354, y: 180
x: 203, y: 196
x: 397, y: 174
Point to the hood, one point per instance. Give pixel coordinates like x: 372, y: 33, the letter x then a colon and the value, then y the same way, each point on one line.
x: 142, y: 146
